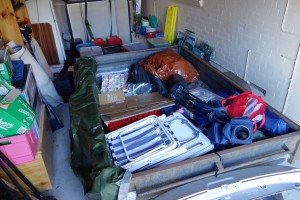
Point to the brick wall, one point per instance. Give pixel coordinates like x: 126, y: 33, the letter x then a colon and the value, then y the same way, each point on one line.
x: 258, y: 40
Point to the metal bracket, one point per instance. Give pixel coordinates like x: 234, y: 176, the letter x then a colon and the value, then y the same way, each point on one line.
x: 124, y: 187
x: 219, y: 165
x: 295, y: 155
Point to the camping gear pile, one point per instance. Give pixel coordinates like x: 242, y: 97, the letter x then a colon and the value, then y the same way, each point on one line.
x: 199, y: 120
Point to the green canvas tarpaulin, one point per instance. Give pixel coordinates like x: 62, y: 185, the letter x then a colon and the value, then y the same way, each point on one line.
x: 90, y: 158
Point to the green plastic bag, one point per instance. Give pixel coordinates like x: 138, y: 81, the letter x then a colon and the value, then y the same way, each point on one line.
x: 90, y: 157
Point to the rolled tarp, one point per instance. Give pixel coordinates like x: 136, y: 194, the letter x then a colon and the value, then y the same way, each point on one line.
x: 90, y: 156
x: 44, y: 84
x: 39, y: 55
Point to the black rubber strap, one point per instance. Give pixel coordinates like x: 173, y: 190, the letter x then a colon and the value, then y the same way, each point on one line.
x: 85, y: 16
x: 5, y: 192
x: 4, y: 159
x: 14, y: 181
x: 221, y: 160
x: 111, y: 23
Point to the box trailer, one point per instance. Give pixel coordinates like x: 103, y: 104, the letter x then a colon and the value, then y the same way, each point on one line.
x: 150, y: 183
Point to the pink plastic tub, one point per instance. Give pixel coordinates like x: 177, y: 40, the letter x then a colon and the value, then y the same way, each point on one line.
x: 21, y: 148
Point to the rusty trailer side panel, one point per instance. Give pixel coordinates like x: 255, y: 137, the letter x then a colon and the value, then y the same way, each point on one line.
x: 152, y: 182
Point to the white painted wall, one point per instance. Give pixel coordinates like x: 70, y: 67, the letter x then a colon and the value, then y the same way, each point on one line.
x: 123, y: 21
x: 157, y: 8
x: 103, y: 19
x: 292, y: 105
x: 77, y: 13
x: 100, y: 18
x: 61, y: 17
x: 261, y: 36
x: 42, y: 12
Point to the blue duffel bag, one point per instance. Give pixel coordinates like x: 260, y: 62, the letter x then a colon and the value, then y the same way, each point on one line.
x: 274, y: 125
x: 236, y: 132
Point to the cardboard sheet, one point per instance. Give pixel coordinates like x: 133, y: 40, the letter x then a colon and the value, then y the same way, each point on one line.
x: 115, y: 97
x: 134, y: 105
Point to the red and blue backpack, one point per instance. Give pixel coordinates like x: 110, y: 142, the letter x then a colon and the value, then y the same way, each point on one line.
x: 246, y: 104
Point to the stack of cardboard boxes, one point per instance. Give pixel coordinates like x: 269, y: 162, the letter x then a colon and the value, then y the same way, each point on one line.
x: 16, y: 117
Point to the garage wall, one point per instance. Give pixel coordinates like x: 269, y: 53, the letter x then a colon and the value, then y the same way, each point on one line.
x: 258, y: 40
x: 99, y: 15
x: 123, y: 21
x: 54, y: 12
x: 158, y: 8
x: 292, y: 106
x: 62, y: 21
x: 291, y: 25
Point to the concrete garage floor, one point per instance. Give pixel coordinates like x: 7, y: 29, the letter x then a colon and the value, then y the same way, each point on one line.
x: 66, y: 185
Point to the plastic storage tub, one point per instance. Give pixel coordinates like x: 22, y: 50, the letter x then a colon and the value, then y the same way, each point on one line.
x: 21, y: 148
x: 157, y: 42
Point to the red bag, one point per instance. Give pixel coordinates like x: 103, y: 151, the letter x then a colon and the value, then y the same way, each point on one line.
x: 100, y: 42
x: 114, y: 40
x: 246, y: 104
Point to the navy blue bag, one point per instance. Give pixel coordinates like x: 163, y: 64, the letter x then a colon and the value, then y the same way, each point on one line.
x: 138, y: 74
x: 237, y: 131
x: 274, y: 125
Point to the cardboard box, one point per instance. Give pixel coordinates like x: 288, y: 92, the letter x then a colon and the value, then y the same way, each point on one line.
x: 134, y: 105
x: 6, y: 66
x: 112, y: 97
x: 16, y: 116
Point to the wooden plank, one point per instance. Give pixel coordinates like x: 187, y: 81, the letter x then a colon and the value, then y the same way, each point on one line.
x: 43, y: 34
x: 134, y: 105
x: 39, y: 171
x: 9, y: 27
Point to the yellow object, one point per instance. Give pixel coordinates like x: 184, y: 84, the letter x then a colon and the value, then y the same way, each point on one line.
x: 169, y: 34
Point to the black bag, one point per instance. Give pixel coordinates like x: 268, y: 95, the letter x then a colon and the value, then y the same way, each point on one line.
x: 112, y: 49
x: 139, y: 75
x: 64, y: 83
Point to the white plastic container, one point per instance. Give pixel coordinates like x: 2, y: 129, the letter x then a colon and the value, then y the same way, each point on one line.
x: 145, y: 23
x: 149, y: 29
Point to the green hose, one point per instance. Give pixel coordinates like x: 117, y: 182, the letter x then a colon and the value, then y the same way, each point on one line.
x: 89, y: 30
